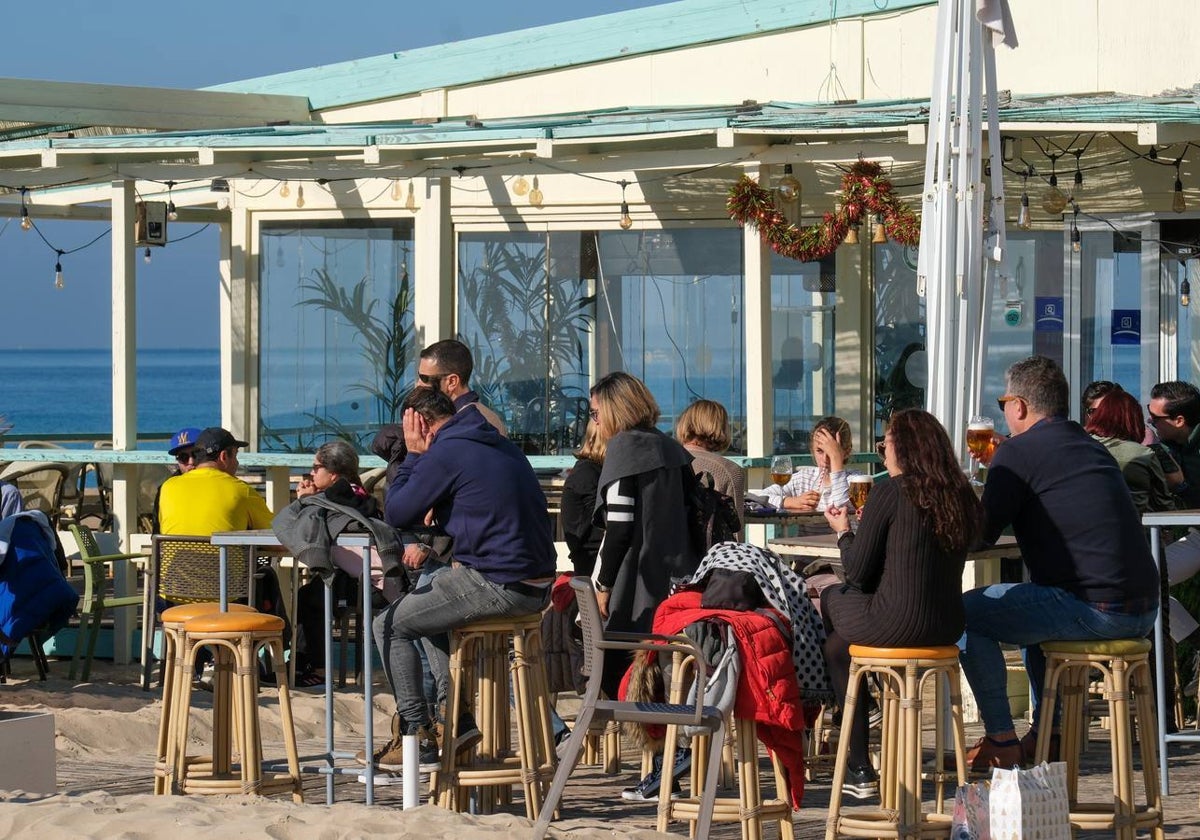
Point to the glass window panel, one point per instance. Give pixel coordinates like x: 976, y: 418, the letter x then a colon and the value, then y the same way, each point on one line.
x: 337, y: 350
x: 802, y: 330
x: 1111, y: 280
x: 525, y: 310
x: 900, y: 366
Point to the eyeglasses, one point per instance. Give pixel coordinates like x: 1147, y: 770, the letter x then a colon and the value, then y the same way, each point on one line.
x: 185, y: 457
x: 1153, y: 416
x: 316, y: 467
x: 1007, y: 399
x: 431, y: 379
x: 594, y: 413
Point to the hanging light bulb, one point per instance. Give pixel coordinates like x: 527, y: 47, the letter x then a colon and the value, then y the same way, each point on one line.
x: 1185, y: 293
x: 26, y: 222
x: 535, y: 194
x: 520, y: 186
x: 1178, y: 203
x: 788, y: 187
x: 284, y: 190
x: 299, y: 195
x: 626, y: 220
x: 146, y: 257
x: 879, y: 234
x: 410, y: 201
x: 172, y: 213
x: 58, y: 274
x: 397, y: 193
x: 1076, y: 236
x: 852, y: 235
x: 1024, y: 222
x: 1054, y: 202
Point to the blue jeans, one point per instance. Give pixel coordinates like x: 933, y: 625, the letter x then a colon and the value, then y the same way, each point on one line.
x: 1028, y: 614
x: 435, y: 693
x: 455, y: 597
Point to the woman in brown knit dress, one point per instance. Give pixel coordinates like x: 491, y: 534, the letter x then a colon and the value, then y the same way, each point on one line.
x: 903, y: 566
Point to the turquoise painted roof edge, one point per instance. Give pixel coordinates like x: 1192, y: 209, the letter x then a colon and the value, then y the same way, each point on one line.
x: 568, y: 44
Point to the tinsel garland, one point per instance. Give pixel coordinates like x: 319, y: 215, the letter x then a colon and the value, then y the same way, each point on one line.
x: 864, y: 190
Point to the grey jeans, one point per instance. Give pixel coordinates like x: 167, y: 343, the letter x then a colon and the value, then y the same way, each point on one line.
x: 455, y: 597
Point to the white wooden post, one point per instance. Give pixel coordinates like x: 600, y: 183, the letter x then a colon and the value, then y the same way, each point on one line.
x: 124, y: 393
x: 433, y: 263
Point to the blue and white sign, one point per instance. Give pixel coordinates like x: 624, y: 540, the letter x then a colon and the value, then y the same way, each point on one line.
x: 1048, y: 314
x: 1126, y: 326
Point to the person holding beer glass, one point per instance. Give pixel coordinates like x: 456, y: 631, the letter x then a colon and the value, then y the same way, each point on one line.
x: 826, y: 484
x: 903, y: 566
x: 980, y: 442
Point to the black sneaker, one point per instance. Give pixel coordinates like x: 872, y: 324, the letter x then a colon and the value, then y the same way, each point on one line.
x: 468, y: 734
x: 428, y: 756
x: 861, y: 782
x: 647, y: 789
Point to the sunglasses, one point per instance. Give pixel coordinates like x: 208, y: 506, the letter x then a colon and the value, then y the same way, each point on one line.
x: 1007, y: 399
x: 1154, y: 416
x: 431, y: 379
x: 316, y: 467
x: 185, y: 457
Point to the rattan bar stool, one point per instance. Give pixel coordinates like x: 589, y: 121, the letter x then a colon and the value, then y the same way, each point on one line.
x: 173, y: 619
x: 484, y: 657
x: 903, y: 673
x: 236, y: 639
x: 1124, y: 665
x: 749, y: 808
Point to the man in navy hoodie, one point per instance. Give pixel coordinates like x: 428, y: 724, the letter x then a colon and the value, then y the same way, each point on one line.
x: 485, y: 495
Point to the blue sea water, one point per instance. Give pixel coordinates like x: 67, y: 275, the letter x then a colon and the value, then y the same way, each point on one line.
x: 69, y: 392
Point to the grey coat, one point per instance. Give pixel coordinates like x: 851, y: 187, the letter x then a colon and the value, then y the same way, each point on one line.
x: 309, y: 528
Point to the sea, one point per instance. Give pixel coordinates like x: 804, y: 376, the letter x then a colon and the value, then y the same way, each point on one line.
x: 69, y: 392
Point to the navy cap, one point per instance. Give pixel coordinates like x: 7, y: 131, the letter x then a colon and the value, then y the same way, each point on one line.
x: 214, y: 439
x: 184, y: 439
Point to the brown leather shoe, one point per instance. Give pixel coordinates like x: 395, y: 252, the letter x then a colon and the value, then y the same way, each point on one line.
x: 1029, y: 746
x: 987, y: 754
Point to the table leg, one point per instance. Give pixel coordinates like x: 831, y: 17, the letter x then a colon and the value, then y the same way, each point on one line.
x: 223, y: 552
x: 1160, y: 683
x: 366, y: 640
x: 329, y: 760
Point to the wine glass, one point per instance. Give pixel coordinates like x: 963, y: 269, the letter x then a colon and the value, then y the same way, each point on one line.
x: 979, y: 441
x: 860, y: 487
x: 781, y: 469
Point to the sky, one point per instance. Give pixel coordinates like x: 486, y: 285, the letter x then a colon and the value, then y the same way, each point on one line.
x: 189, y: 45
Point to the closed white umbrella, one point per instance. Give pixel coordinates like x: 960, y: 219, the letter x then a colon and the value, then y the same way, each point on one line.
x: 963, y: 241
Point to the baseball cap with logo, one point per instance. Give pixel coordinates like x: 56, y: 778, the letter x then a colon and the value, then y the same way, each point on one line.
x: 183, y: 439
x: 214, y: 439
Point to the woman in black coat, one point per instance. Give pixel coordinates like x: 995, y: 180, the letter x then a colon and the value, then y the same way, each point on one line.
x: 903, y: 566
x: 580, y: 530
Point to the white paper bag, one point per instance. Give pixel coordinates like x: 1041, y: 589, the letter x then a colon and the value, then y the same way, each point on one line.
x: 1030, y: 804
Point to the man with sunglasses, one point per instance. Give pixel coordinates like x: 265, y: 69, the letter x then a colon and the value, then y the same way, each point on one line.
x: 181, y: 446
x: 209, y: 497
x: 446, y: 366
x: 1091, y: 575
x: 1174, y: 414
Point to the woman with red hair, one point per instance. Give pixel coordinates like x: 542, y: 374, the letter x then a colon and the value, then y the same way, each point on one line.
x: 1116, y: 421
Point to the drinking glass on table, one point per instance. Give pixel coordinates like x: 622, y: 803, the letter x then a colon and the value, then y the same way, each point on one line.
x: 980, y: 443
x: 860, y: 486
x: 781, y: 469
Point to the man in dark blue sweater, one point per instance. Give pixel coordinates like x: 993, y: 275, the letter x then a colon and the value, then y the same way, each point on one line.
x: 1091, y: 575
x: 485, y: 495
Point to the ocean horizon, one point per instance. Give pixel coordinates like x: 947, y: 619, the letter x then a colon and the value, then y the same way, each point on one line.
x: 69, y: 391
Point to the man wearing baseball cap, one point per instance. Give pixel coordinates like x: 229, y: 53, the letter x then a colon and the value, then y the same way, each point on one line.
x: 182, y: 444
x: 209, y: 497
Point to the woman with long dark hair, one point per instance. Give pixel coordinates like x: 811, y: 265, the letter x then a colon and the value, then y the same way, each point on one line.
x: 903, y: 566
x: 1115, y: 419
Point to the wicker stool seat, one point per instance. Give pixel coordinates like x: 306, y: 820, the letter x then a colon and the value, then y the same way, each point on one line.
x: 173, y: 619
x: 235, y: 638
x: 484, y: 656
x: 903, y: 673
x: 1125, y: 668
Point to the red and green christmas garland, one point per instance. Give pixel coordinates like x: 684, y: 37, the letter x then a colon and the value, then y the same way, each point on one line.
x: 864, y: 190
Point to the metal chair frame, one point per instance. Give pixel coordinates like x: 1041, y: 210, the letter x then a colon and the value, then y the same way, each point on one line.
x: 95, y: 595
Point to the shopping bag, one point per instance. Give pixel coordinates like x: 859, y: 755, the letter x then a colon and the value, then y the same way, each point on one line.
x: 970, y: 820
x: 1030, y: 804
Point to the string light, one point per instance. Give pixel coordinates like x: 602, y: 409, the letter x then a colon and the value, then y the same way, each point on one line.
x: 1077, y: 187
x: 146, y: 257
x: 284, y: 190
x: 1024, y: 220
x: 1185, y: 293
x: 1076, y: 236
x: 26, y: 222
x: 1178, y: 203
x: 788, y: 187
x: 172, y: 212
x: 299, y: 195
x: 1054, y: 202
x: 520, y: 186
x: 410, y: 202
x: 58, y: 272
x: 626, y: 220
x: 397, y: 193
x: 535, y: 195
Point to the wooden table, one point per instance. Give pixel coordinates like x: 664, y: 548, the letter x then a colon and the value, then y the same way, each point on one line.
x: 266, y: 539
x: 1156, y: 522
x: 825, y: 545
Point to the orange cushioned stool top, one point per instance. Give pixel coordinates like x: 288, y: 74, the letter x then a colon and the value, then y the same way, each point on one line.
x: 240, y: 622
x: 933, y: 652
x: 186, y: 612
x: 1100, y: 647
